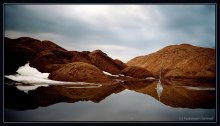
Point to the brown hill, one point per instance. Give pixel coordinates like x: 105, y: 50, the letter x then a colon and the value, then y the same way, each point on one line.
x: 79, y: 71
x: 81, y: 57
x: 33, y: 44
x: 105, y: 63
x: 19, y: 51
x: 120, y: 63
x: 136, y: 72
x: 48, y: 45
x: 179, y: 61
x: 13, y: 51
x: 46, y: 56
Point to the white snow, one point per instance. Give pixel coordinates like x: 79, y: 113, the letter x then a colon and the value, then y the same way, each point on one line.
x: 110, y: 74
x: 197, y: 88
x: 29, y: 87
x: 121, y: 75
x: 30, y: 79
x: 150, y: 78
x: 118, y: 75
x: 26, y: 70
x: 92, y: 86
x: 30, y: 75
x: 34, y: 79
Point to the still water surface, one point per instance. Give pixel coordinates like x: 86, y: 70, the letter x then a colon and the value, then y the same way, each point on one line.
x: 132, y: 101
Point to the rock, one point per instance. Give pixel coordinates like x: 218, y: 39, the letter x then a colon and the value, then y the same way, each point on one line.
x: 81, y: 57
x: 16, y: 55
x: 179, y: 61
x: 34, y: 44
x: 48, y: 45
x: 96, y: 58
x: 79, y: 72
x: 105, y: 63
x: 136, y: 72
x: 120, y: 63
x: 21, y: 50
x: 47, y: 58
x: 26, y: 42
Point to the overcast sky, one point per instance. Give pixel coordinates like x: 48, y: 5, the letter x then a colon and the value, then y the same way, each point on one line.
x: 121, y: 31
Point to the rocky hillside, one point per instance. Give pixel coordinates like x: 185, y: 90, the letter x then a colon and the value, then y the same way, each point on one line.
x: 105, y: 63
x: 175, y: 61
x: 18, y: 51
x: 136, y: 72
x: 179, y: 61
x: 48, y: 57
x: 80, y: 72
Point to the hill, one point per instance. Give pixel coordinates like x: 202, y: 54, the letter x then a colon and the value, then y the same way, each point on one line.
x: 179, y: 61
x: 48, y: 57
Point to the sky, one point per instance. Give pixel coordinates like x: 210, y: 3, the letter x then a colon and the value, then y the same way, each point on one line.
x: 121, y: 31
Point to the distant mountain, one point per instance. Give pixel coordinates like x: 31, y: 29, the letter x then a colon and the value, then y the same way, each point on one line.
x: 179, y: 61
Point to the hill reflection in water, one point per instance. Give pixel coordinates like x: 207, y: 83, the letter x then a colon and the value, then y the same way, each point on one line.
x: 126, y: 97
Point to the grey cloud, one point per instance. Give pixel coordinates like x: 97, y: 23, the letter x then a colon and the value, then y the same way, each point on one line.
x: 19, y: 18
x: 154, y: 26
x: 191, y: 21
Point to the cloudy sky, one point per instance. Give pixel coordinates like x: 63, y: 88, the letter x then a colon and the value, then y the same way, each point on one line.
x: 121, y: 31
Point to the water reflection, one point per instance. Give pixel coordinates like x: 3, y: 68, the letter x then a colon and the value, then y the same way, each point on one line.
x: 124, y: 106
x: 173, y: 94
x: 159, y: 89
x: 145, y: 100
x: 182, y: 97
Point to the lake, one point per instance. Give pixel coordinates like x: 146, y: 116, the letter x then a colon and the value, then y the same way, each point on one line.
x: 178, y: 101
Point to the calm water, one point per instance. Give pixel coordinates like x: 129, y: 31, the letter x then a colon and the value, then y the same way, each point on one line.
x: 130, y: 101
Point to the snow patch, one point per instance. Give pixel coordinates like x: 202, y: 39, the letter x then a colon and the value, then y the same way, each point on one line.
x: 110, y: 74
x: 26, y: 70
x: 29, y: 87
x: 30, y: 75
x: 121, y: 75
x: 197, y: 88
x: 150, y: 78
x: 118, y: 75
